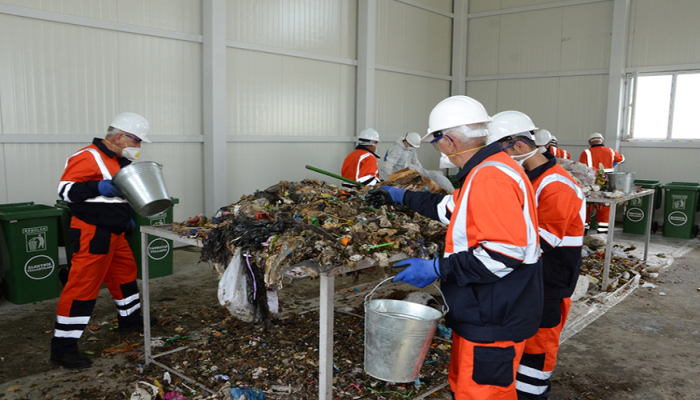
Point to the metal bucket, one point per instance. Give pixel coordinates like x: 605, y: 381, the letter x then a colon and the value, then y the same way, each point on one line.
x: 398, y: 336
x: 623, y: 181
x: 143, y: 186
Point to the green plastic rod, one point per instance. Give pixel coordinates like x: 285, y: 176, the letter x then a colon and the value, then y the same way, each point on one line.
x: 332, y: 175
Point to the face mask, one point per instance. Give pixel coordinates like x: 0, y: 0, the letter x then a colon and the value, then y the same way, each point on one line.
x: 542, y: 149
x: 445, y: 162
x: 525, y: 157
x: 131, y: 153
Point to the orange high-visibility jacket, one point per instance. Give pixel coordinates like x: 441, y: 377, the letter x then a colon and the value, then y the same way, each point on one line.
x: 599, y: 154
x: 361, y: 166
x: 559, y: 153
x: 491, y: 273
x: 561, y: 214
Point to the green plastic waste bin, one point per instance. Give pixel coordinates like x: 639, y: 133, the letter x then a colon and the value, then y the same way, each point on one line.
x: 682, y: 202
x: 160, y: 251
x: 636, y: 213
x: 29, y: 252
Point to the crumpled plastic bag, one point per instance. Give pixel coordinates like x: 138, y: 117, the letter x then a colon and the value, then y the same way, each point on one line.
x: 145, y: 391
x: 233, y: 290
x: 247, y: 394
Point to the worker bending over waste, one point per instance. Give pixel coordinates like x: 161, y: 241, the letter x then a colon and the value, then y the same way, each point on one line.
x: 402, y: 154
x: 561, y: 212
x: 361, y: 165
x: 490, y: 273
x: 595, y: 156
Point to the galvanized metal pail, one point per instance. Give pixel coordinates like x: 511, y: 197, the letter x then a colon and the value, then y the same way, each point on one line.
x: 142, y: 184
x: 397, y: 336
x: 623, y: 181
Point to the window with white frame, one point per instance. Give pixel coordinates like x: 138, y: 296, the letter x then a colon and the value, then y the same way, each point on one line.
x: 663, y: 106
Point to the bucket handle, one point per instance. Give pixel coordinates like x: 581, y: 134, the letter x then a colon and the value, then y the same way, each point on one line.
x: 445, y: 307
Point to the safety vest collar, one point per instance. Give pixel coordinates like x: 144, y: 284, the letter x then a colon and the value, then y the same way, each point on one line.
x: 362, y: 147
x: 97, y: 142
x: 597, y: 145
x: 478, y: 158
x: 535, y: 173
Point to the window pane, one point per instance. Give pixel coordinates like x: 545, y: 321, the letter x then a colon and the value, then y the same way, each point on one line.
x: 686, y: 107
x: 652, y: 106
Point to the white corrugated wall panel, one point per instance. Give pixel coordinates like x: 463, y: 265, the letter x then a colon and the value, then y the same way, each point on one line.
x: 482, y: 48
x: 444, y: 5
x: 586, y: 35
x: 530, y: 42
x: 486, y: 92
x: 317, y: 26
x: 537, y: 98
x: 403, y: 103
x: 183, y: 173
x: 477, y: 6
x: 655, y: 164
x: 663, y: 33
x: 413, y: 38
x: 272, y: 94
x: 581, y: 107
x: 164, y: 85
x: 257, y: 166
x: 173, y: 15
x: 56, y: 78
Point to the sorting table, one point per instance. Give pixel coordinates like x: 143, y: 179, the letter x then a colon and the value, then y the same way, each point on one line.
x: 327, y: 276
x: 611, y: 228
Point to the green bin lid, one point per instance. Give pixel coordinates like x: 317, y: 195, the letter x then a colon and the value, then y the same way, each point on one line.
x: 683, y: 186
x: 29, y: 211
x: 175, y: 200
x: 647, y: 184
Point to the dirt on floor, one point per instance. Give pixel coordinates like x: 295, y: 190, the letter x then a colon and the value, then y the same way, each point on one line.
x: 646, y: 347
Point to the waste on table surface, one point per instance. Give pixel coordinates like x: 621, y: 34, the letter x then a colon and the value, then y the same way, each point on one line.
x: 309, y: 226
x: 592, y: 181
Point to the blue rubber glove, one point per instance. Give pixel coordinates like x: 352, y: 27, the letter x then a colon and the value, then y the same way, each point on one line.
x: 107, y: 188
x: 420, y: 272
x: 385, y: 195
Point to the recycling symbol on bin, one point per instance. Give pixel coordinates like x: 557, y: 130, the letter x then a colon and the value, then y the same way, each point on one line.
x: 36, y: 242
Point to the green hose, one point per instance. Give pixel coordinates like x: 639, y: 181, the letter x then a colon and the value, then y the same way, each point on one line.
x: 332, y: 175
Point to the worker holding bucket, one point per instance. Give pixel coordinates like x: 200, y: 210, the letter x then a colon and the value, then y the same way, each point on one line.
x: 490, y: 273
x: 101, y: 217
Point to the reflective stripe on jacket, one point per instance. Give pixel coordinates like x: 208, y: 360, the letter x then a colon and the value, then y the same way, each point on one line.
x: 79, y: 187
x: 491, y: 270
x: 361, y: 166
x: 561, y: 212
x: 599, y: 154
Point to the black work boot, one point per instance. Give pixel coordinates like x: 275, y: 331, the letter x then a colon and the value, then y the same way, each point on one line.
x: 72, y: 360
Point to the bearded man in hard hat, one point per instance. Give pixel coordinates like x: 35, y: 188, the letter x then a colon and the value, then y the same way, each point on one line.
x: 490, y: 272
x: 403, y: 155
x: 561, y: 213
x: 595, y: 156
x: 361, y: 165
x: 101, y: 217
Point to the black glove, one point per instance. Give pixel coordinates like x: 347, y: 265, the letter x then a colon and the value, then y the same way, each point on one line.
x: 130, y: 229
x: 386, y: 195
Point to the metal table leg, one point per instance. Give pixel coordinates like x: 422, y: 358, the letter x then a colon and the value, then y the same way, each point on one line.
x: 325, y: 345
x: 145, y: 300
x: 650, y: 217
x: 608, y: 246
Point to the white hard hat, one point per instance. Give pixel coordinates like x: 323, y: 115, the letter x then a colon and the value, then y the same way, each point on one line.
x: 369, y: 135
x: 543, y: 137
x: 132, y: 123
x: 510, y: 123
x: 457, y: 111
x: 413, y: 139
x: 596, y: 136
x: 554, y: 139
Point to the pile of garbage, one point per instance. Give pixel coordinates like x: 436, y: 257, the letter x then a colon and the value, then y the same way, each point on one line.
x: 592, y: 181
x: 624, y: 266
x: 314, y: 224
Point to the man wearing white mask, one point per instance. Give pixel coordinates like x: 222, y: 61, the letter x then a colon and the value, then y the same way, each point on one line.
x: 101, y: 217
x: 490, y: 272
x: 403, y: 155
x: 561, y: 212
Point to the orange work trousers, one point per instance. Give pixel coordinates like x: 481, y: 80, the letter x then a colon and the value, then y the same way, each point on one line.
x: 481, y: 371
x: 101, y: 256
x: 540, y: 356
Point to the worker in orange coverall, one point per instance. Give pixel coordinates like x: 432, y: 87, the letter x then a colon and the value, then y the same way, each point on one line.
x: 361, y: 165
x: 561, y: 212
x: 101, y: 217
x: 491, y: 271
x: 594, y: 156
